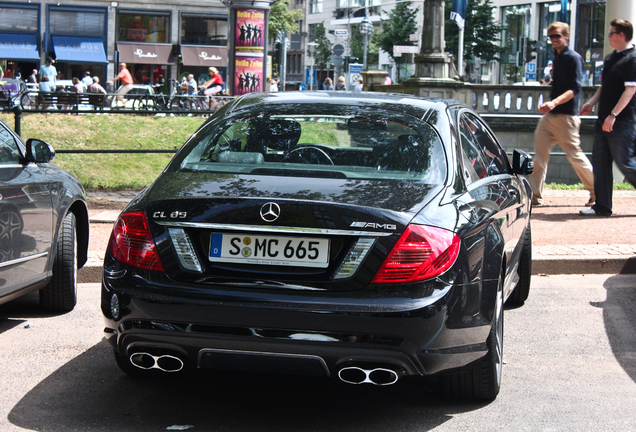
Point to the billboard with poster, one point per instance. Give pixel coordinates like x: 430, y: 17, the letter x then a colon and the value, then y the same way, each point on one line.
x: 248, y: 74
x: 250, y: 28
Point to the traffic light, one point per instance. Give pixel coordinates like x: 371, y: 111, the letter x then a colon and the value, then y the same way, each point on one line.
x: 531, y: 50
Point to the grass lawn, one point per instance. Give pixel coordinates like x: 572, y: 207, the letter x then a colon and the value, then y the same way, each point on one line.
x: 112, y: 132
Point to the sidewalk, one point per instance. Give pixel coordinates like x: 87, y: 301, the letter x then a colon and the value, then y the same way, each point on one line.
x: 563, y: 241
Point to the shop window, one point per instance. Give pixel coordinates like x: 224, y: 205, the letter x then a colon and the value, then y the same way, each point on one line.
x: 137, y: 27
x: 77, y: 22
x: 198, y: 30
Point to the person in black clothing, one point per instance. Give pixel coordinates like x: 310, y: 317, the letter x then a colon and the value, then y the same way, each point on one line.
x: 615, y: 128
x: 561, y: 122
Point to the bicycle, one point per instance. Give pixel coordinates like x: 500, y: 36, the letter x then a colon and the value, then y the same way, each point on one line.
x: 159, y: 101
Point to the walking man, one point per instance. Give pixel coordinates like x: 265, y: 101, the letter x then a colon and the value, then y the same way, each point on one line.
x: 615, y: 128
x: 561, y: 123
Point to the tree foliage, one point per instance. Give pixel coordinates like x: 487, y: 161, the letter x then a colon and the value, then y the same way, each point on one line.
x: 481, y: 32
x: 397, y: 27
x: 323, y: 51
x: 281, y: 19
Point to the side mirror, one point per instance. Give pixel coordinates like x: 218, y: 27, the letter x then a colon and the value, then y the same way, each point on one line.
x: 522, y: 163
x: 39, y: 151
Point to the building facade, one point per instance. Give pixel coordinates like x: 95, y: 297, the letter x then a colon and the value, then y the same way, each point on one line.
x: 341, y: 18
x: 155, y: 38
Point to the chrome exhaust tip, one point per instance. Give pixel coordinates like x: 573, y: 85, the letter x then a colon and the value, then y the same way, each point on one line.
x: 165, y: 363
x: 376, y: 376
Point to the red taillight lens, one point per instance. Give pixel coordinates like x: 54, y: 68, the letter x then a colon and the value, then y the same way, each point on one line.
x: 131, y: 242
x: 422, y: 252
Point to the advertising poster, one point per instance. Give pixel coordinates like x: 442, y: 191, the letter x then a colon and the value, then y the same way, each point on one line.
x: 248, y: 73
x: 250, y: 28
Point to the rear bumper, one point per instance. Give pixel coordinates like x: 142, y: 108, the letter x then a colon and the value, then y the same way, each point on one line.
x: 304, y: 333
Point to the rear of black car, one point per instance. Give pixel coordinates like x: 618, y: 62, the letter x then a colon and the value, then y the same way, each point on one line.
x: 295, y: 239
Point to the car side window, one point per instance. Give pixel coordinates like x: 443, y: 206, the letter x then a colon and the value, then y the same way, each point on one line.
x: 493, y: 153
x: 9, y: 153
x: 474, y: 165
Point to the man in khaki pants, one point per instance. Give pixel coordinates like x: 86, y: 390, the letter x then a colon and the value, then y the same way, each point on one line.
x: 560, y: 124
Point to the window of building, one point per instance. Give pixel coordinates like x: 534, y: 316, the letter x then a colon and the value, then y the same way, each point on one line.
x: 312, y: 31
x: 315, y: 6
x: 77, y: 22
x: 591, y: 26
x: 18, y: 19
x: 514, y: 22
x: 136, y: 26
x: 204, y: 30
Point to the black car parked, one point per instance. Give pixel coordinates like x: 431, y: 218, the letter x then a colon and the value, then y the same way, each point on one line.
x: 43, y: 224
x: 354, y: 235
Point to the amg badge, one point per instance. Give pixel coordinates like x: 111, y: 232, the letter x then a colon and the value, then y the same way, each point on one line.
x: 373, y: 225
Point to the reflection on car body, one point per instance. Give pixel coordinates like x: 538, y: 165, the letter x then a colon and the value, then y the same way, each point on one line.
x: 359, y: 236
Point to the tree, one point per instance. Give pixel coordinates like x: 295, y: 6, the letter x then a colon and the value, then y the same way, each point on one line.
x: 481, y: 32
x: 323, y: 51
x: 397, y: 27
x: 283, y: 20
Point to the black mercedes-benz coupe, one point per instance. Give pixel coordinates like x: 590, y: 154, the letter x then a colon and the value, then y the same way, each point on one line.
x: 43, y: 224
x: 363, y: 236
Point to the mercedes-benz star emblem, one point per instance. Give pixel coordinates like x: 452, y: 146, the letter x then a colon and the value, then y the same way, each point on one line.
x: 270, y: 212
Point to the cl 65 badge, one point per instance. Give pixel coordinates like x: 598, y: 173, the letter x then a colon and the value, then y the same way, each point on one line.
x: 172, y: 215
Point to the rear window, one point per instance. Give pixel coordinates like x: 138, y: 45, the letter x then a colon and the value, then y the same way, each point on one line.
x: 316, y: 144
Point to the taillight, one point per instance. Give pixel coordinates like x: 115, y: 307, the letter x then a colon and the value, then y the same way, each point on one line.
x: 131, y: 242
x: 422, y: 252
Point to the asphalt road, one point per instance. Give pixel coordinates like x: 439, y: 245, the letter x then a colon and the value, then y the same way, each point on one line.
x: 570, y: 356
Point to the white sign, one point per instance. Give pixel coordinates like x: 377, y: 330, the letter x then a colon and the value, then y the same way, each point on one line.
x: 139, y: 53
x: 205, y: 56
x: 414, y: 37
x: 341, y: 33
x: 406, y: 49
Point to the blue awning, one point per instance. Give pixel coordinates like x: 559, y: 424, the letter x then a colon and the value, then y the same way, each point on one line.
x: 18, y: 47
x: 79, y: 49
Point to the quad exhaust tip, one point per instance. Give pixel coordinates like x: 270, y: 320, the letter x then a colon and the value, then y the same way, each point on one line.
x: 165, y: 363
x: 376, y: 376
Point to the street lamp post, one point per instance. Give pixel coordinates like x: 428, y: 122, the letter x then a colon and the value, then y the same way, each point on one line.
x: 312, y: 47
x: 366, y: 29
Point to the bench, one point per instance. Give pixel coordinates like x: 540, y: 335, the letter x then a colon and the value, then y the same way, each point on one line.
x: 71, y: 100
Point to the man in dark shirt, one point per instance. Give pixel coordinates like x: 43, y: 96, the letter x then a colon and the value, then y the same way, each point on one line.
x: 561, y: 123
x: 615, y: 128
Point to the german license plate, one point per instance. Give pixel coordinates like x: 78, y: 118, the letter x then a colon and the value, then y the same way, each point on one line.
x: 269, y: 250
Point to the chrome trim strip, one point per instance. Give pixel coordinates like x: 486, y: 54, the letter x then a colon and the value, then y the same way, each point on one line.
x: 270, y: 229
x: 24, y: 259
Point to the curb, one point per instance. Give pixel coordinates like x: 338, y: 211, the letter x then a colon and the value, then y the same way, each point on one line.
x: 600, y: 264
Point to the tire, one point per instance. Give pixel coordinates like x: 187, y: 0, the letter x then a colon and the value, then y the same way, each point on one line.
x: 521, y: 291
x: 60, y: 294
x: 482, y: 381
x: 140, y: 104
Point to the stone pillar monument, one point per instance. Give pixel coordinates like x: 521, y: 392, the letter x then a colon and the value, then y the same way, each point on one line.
x: 432, y: 66
x: 432, y: 63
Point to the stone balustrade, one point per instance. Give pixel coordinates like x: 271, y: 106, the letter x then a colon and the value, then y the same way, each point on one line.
x: 483, y: 98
